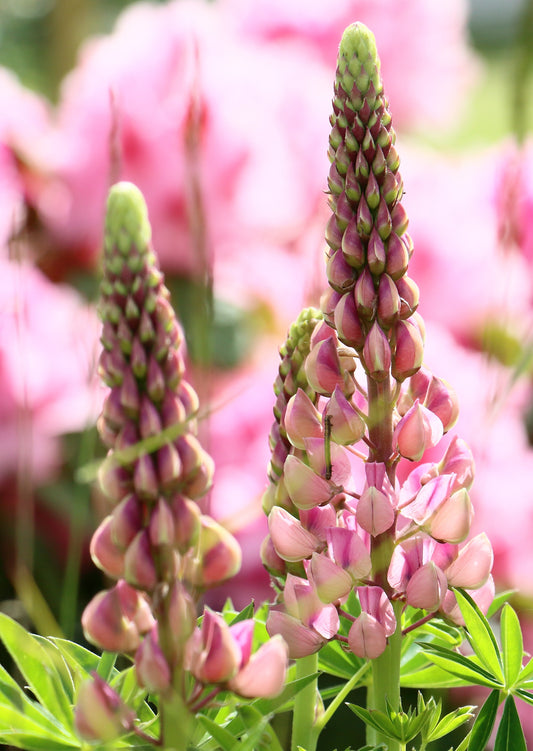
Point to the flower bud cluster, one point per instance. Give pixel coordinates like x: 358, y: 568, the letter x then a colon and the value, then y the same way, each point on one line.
x: 156, y: 543
x: 336, y: 531
x: 371, y: 301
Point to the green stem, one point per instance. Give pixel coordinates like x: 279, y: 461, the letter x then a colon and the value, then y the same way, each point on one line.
x: 304, y: 726
x: 386, y: 682
x: 341, y: 696
x: 176, y: 723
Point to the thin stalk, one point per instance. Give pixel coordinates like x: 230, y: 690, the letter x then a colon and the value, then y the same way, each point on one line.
x: 341, y: 696
x: 176, y: 723
x: 304, y: 726
x: 386, y: 682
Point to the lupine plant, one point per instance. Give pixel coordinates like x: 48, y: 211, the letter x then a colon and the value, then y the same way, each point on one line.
x: 376, y: 581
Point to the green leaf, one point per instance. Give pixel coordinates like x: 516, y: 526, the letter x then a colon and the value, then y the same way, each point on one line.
x: 499, y: 600
x: 524, y: 695
x: 11, y: 695
x: 512, y: 645
x: 526, y: 672
x: 432, y: 677
x: 332, y: 659
x: 450, y: 722
x: 223, y: 737
x: 461, y: 666
x: 484, y: 723
x: 480, y: 635
x: 44, y: 671
x: 245, y: 614
x: 80, y: 660
x: 510, y: 736
x: 283, y: 702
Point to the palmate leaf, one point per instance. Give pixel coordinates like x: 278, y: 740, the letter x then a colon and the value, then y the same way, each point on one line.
x: 480, y: 635
x: 510, y: 736
x: 433, y: 677
x: 461, y: 666
x: 482, y: 727
x: 512, y: 645
x: 43, y: 669
x: 332, y: 659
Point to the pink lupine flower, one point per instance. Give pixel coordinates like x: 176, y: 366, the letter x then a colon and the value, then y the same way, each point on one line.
x: 413, y: 554
x: 458, y: 460
x: 347, y: 426
x: 302, y: 419
x: 483, y: 598
x: 349, y: 551
x: 375, y: 512
x: 305, y: 622
x: 100, y: 714
x: 418, y: 430
x: 106, y: 554
x: 117, y: 618
x: 473, y: 565
x: 291, y: 540
x: 429, y: 499
x: 452, y: 520
x: 305, y: 487
x: 213, y: 654
x: 427, y: 587
x: 323, y: 368
x: 151, y: 667
x: 331, y: 582
x: 263, y: 673
x: 368, y: 634
x: 216, y: 556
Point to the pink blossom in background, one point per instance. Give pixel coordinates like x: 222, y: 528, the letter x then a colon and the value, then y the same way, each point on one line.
x: 465, y: 278
x: 48, y: 344
x: 239, y: 161
x: 24, y: 121
x: 426, y: 62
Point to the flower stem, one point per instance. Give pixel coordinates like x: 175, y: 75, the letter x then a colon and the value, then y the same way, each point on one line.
x: 305, y: 731
x: 386, y: 682
x: 341, y: 696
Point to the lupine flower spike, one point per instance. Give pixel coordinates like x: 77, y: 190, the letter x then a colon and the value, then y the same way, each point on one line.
x: 338, y: 530
x: 155, y: 542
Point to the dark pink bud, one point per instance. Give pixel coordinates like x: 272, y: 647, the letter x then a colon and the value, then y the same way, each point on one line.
x: 365, y: 295
x: 343, y: 212
x: 112, y: 366
x: 189, y: 398
x: 186, y: 522
x: 161, y: 527
x: 333, y: 233
x: 112, y: 410
x: 388, y: 301
x: 173, y: 368
x: 114, y: 479
x: 383, y: 221
x: 409, y: 350
x: 106, y: 554
x: 352, y: 187
x: 400, y: 220
x: 391, y: 188
x: 375, y: 254
x: 328, y: 301
x: 116, y: 618
x: 340, y: 275
x: 146, y: 327
x: 213, y: 655
x: 397, y: 257
x: 100, y: 714
x: 270, y: 559
x: 149, y: 419
x: 363, y: 218
x: 217, y: 556
x: 352, y: 247
x: 139, y: 566
x: 138, y: 358
x: 155, y: 381
x: 169, y: 466
x: 409, y: 296
x: 129, y: 394
x: 372, y: 192
x: 126, y: 521
x: 362, y: 169
x: 145, y: 479
x: 127, y: 437
x: 377, y: 353
x: 172, y: 410
x: 335, y: 181
x: 347, y: 322
x: 151, y: 667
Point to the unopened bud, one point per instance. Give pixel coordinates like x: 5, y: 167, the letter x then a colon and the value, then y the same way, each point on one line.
x: 100, y: 714
x: 377, y: 353
x: 426, y: 587
x: 151, y: 667
x: 346, y: 425
x: 418, y: 430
